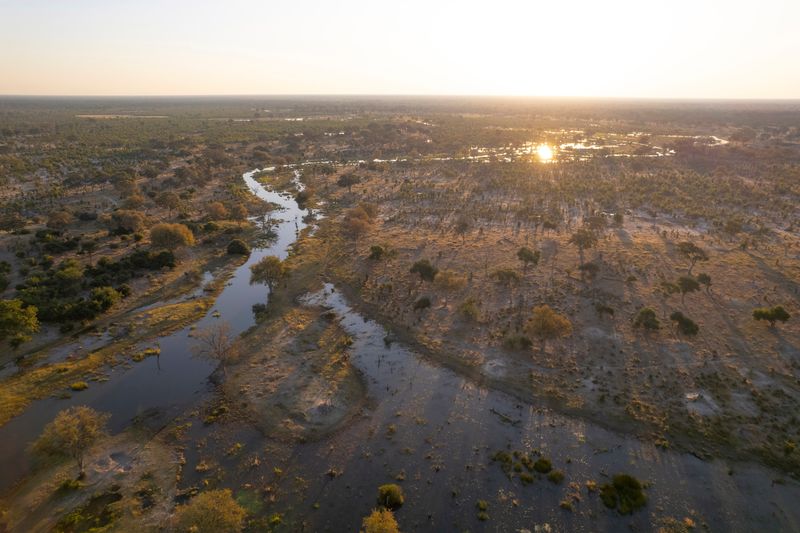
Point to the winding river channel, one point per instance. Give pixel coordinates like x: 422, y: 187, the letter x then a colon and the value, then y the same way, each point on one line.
x: 424, y: 425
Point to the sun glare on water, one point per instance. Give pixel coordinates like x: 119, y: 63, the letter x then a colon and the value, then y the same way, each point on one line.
x: 545, y: 153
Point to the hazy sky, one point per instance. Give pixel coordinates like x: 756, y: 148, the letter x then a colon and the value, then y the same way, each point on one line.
x: 641, y: 48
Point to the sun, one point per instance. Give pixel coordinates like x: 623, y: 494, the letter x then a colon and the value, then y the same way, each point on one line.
x: 545, y: 153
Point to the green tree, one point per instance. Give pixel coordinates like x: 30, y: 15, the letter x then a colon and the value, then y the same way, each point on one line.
x: 390, y: 496
x: 238, y: 247
x: 376, y: 252
x: 348, y: 180
x: 547, y: 324
x: 213, y: 511
x: 462, y: 227
x: 687, y: 284
x: 528, y: 257
x: 704, y: 279
x: 771, y: 314
x: 89, y: 247
x: 647, y: 319
x: 169, y: 200
x: 71, y: 434
x: 426, y: 271
x: 624, y: 493
x: 171, y: 236
x: 692, y: 252
x: 685, y: 325
x: 17, y: 322
x: 583, y: 239
x: 269, y: 270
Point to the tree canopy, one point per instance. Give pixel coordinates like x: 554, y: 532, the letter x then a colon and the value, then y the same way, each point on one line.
x: 17, y: 322
x: 213, y: 511
x: 171, y: 236
x: 72, y: 433
x: 269, y: 270
x: 547, y: 324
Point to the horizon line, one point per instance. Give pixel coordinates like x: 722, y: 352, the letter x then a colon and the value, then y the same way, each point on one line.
x: 410, y: 95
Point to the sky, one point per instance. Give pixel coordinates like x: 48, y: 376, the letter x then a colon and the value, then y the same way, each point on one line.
x: 611, y: 48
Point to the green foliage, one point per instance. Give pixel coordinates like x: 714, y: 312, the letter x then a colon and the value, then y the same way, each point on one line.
x: 422, y: 303
x: 71, y: 433
x: 542, y: 465
x: 771, y: 314
x: 556, y: 476
x: 56, y: 294
x: 687, y: 284
x: 528, y: 256
x: 646, y: 319
x: 376, y: 252
x: 469, y: 309
x: 238, y: 247
x: 270, y: 270
x: 390, y: 496
x: 583, y: 239
x: 426, y: 271
x: 97, y: 515
x: 625, y: 493
x: 348, y: 180
x: 17, y: 321
x: 685, y: 325
x: 704, y: 279
x: 692, y: 252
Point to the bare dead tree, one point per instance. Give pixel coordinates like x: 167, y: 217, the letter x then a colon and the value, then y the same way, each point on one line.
x: 217, y: 342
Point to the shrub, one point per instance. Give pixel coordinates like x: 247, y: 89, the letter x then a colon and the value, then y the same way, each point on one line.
x: 171, y: 236
x: 69, y: 485
x: 79, y: 386
x: 376, y: 252
x: 556, y: 476
x: 517, y: 342
x: 771, y: 314
x: 426, y: 271
x: 624, y: 493
x: 482, y: 506
x: 542, y: 465
x: 390, y: 496
x: 380, y: 521
x: 647, y: 319
x: 469, y: 309
x: 211, y: 512
x: 546, y: 324
x: 238, y: 247
x: 685, y: 325
x: 506, y: 276
x: 422, y: 303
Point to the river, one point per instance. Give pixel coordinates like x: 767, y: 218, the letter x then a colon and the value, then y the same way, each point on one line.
x: 426, y: 425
